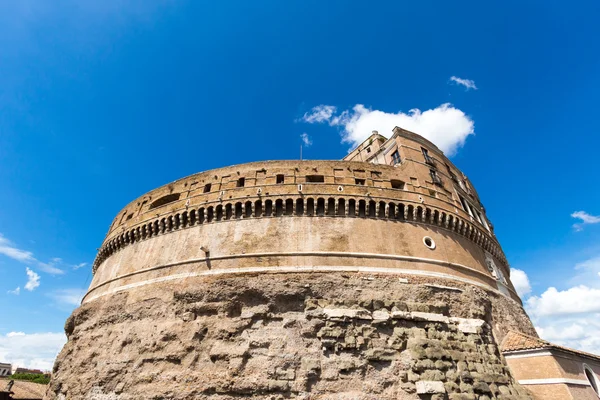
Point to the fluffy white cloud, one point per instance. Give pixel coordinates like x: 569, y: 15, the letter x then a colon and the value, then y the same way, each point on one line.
x: 306, y: 139
x: 71, y: 297
x: 520, y: 281
x: 446, y: 126
x: 575, y: 300
x: 585, y: 219
x: 36, y: 350
x: 467, y: 83
x: 320, y: 113
x: 8, y: 249
x: 569, y: 317
x: 33, y: 280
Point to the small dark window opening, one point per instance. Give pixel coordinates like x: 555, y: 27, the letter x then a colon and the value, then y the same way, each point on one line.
x: 238, y: 210
x: 248, y: 209
x: 280, y: 179
x: 207, y: 188
x: 131, y: 216
x: 315, y: 178
x: 358, y: 181
x: 164, y: 200
x: 241, y: 182
x: 368, y: 149
x: 395, y: 157
x: 397, y: 184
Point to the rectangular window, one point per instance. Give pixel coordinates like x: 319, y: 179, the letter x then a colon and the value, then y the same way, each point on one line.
x: 315, y: 178
x: 359, y: 181
x: 426, y: 156
x: 207, y: 188
x: 395, y: 158
x: 241, y: 182
x: 280, y: 179
x: 435, y: 178
x: 397, y: 184
x: 465, y: 206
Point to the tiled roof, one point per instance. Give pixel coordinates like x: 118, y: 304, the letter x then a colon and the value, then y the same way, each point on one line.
x: 25, y: 390
x: 517, y: 341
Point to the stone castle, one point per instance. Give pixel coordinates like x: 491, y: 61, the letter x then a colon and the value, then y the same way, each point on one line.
x: 375, y: 277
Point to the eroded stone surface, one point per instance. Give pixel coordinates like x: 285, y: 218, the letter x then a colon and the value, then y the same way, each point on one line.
x: 289, y: 336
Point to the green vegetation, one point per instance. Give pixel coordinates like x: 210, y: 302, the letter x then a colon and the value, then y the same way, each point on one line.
x: 37, y: 378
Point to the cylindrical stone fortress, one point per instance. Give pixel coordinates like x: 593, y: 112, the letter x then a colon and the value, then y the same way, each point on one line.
x: 346, y: 279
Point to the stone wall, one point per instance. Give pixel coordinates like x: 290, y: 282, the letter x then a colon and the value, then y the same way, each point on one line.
x: 305, y: 336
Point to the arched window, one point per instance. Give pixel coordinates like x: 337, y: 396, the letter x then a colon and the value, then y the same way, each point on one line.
x: 362, y: 208
x: 228, y: 211
x: 238, y: 210
x: 258, y: 208
x: 248, y: 209
x: 268, y: 208
x: 310, y: 207
x: 331, y: 206
x: 299, y: 207
x: 219, y: 210
x: 278, y: 208
x: 372, y: 208
x: 289, y: 207
x: 320, y: 207
x: 381, y: 209
x: 341, y: 207
x: 352, y: 208
x: 392, y: 211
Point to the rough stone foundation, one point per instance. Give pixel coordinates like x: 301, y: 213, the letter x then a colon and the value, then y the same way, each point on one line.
x: 279, y: 336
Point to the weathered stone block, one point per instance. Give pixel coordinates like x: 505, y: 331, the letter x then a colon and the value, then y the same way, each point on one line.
x: 430, y: 387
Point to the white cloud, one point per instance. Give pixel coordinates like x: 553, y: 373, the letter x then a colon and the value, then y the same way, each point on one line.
x: 70, y: 297
x: 568, y: 317
x: 80, y: 265
x: 8, y: 249
x: 320, y: 113
x: 36, y: 350
x: 306, y: 139
x: 16, y: 292
x: 445, y: 125
x: 575, y: 300
x: 33, y: 280
x: 520, y: 281
x: 585, y: 219
x: 467, y: 83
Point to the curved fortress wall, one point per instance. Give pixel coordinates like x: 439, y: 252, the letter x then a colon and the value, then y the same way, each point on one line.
x: 235, y: 277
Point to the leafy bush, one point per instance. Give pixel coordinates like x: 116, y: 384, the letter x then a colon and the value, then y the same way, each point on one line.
x: 37, y: 378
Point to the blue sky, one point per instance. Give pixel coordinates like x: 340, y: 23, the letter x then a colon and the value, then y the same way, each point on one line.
x: 103, y: 101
